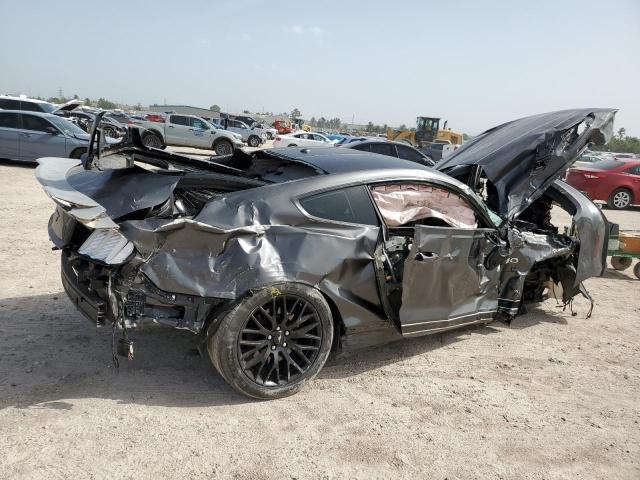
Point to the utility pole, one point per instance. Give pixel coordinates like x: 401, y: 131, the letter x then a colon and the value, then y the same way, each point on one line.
x: 60, y: 93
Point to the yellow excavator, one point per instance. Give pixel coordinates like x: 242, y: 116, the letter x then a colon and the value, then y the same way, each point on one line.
x: 427, y: 132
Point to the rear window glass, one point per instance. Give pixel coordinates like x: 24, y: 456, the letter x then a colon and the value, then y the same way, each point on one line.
x: 606, y: 165
x: 351, y: 205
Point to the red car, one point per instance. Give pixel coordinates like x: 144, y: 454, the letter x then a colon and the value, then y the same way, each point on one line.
x: 616, y: 182
x: 153, y: 117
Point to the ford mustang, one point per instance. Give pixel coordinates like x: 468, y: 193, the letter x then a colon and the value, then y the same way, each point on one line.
x: 278, y: 257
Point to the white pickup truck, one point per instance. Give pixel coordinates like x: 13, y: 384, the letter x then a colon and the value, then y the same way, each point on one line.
x: 188, y: 131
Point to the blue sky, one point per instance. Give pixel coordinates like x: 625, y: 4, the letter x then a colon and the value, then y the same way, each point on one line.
x: 475, y: 63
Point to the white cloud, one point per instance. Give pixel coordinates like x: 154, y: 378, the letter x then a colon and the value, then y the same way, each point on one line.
x: 313, y: 30
x: 317, y: 30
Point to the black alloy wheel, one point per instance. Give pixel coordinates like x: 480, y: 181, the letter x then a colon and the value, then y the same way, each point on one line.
x: 273, y: 341
x: 279, y: 341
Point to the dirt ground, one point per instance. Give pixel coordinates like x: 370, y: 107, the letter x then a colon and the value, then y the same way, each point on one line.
x: 552, y: 396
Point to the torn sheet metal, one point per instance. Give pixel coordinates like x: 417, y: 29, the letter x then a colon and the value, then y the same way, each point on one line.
x: 523, y: 157
x: 526, y: 250
x: 591, y: 228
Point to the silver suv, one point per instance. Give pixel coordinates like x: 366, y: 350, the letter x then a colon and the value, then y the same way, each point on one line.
x: 27, y: 136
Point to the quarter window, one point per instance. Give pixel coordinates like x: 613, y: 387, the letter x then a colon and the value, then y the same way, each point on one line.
x: 351, y: 205
x: 634, y: 170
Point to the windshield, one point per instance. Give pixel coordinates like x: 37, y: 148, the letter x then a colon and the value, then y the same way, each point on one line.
x: 47, y: 107
x: 66, y: 126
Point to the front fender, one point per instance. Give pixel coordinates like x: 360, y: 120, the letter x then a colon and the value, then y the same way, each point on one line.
x: 591, y: 228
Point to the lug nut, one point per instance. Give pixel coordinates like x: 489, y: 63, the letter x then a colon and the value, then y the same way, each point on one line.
x: 273, y: 347
x: 286, y: 333
x: 278, y: 328
x: 284, y: 344
x: 268, y: 337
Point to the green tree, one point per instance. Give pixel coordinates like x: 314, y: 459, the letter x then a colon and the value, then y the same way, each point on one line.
x: 622, y: 132
x: 313, y: 121
x: 295, y: 114
x: 215, y: 108
x: 88, y: 102
x: 105, y: 104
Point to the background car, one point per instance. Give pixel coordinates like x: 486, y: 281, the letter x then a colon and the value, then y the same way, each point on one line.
x: 392, y: 149
x: 8, y: 102
x: 27, y: 136
x: 586, y: 160
x: 302, y: 139
x: 251, y: 136
x: 616, y: 182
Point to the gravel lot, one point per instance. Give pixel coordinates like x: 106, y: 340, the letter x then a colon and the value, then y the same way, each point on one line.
x: 551, y: 396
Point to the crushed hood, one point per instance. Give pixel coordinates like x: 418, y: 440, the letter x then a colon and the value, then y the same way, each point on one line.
x: 523, y: 157
x: 69, y: 106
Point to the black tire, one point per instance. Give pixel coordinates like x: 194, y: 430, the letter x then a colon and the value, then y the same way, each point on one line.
x: 249, y: 347
x: 77, y: 153
x: 223, y: 147
x: 621, y: 263
x: 636, y: 270
x: 620, y: 199
x: 253, y: 141
x: 292, y: 145
x: 152, y: 140
x: 269, y: 136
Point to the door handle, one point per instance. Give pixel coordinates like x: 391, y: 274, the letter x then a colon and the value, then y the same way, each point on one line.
x: 424, y: 256
x: 191, y: 129
x: 26, y: 134
x: 171, y: 126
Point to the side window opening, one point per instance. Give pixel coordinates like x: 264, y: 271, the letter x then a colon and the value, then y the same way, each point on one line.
x: 349, y: 205
x: 406, y: 205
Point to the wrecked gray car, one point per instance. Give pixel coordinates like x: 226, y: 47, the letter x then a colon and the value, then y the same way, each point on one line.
x: 277, y: 257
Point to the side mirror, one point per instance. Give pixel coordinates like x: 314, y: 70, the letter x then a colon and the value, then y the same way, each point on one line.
x: 52, y: 130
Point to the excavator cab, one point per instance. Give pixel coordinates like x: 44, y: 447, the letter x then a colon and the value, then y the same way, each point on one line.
x: 426, y: 129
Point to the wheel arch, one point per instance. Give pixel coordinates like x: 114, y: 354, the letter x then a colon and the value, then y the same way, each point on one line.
x: 216, y: 314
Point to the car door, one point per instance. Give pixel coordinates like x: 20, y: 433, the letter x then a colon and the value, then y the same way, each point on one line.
x: 200, y: 133
x: 40, y: 138
x: 448, y: 276
x: 178, y: 130
x: 9, y: 135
